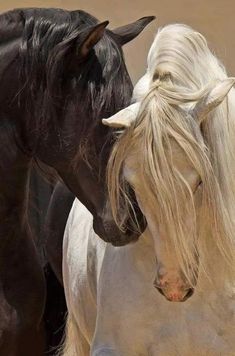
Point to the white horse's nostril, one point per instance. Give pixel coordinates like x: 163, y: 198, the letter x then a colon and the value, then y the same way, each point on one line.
x: 188, y: 294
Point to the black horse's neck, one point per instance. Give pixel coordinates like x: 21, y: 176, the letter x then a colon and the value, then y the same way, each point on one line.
x: 14, y: 176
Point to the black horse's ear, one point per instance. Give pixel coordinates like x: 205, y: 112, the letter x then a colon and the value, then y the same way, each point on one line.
x: 90, y: 37
x: 127, y: 33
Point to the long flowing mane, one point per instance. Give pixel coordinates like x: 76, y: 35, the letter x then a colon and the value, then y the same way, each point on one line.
x: 181, y: 69
x: 48, y: 74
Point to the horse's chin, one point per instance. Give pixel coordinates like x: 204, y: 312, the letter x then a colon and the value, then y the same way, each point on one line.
x: 109, y: 232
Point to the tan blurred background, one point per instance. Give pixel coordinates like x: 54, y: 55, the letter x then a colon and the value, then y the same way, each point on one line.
x: 213, y: 18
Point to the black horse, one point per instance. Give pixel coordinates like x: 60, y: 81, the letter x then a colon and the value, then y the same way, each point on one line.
x: 60, y: 72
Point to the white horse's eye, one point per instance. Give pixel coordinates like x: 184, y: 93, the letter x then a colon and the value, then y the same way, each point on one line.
x: 199, y: 184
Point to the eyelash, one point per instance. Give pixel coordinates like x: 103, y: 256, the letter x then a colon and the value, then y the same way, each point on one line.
x: 198, y: 185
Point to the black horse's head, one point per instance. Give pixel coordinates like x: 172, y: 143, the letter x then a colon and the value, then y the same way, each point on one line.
x: 69, y: 73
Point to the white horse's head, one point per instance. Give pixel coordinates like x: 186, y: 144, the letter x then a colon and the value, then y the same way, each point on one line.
x: 168, y: 154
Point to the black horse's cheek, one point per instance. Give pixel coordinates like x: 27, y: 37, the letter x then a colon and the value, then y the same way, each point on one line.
x: 109, y: 232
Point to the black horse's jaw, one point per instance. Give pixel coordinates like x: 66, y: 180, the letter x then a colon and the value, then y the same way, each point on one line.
x: 109, y: 232
x: 135, y: 224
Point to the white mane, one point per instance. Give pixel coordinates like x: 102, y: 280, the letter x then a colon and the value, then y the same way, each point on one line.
x: 181, y: 71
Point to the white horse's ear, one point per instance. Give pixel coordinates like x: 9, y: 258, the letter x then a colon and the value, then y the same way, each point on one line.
x: 212, y: 99
x: 123, y: 118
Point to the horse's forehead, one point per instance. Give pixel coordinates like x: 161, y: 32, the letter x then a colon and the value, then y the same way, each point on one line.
x: 180, y: 162
x: 130, y: 168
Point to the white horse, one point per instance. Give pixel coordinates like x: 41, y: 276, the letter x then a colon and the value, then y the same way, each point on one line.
x: 176, y: 149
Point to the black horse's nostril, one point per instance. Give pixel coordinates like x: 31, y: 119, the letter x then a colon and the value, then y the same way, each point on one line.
x: 188, y: 294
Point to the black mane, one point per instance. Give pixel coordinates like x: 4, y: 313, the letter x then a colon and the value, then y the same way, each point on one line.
x: 46, y: 38
x: 46, y: 35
